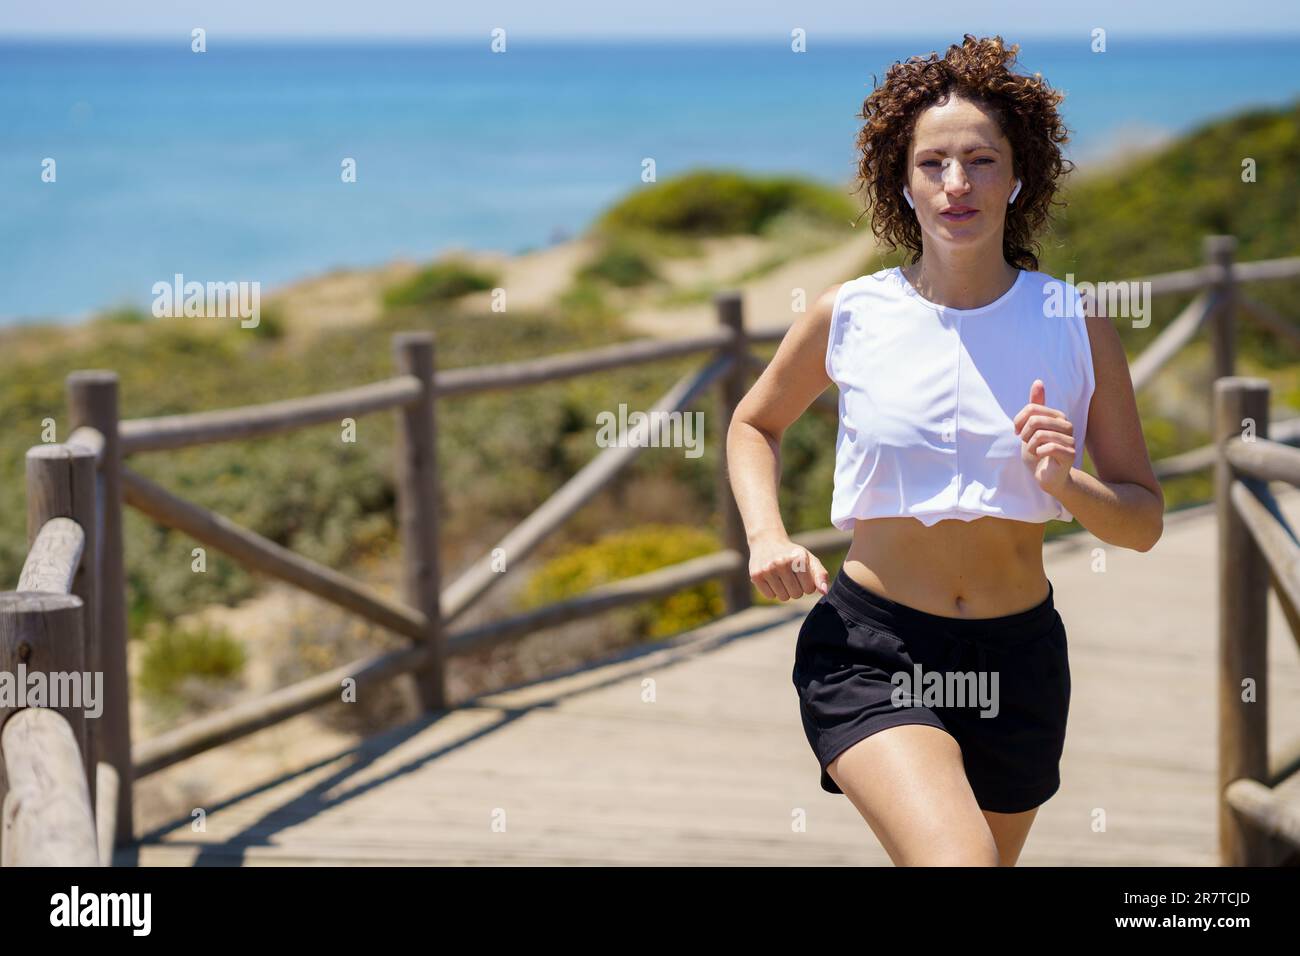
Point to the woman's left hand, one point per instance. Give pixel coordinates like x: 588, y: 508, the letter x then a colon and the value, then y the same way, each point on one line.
x: 1046, y: 440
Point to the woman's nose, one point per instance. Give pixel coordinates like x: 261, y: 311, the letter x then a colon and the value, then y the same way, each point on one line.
x: 954, y: 179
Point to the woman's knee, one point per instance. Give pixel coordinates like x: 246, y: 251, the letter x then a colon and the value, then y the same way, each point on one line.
x: 974, y: 853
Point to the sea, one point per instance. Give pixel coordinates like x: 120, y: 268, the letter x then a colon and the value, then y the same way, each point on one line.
x: 126, y: 162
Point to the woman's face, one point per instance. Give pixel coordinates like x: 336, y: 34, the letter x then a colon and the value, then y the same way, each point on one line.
x: 960, y: 174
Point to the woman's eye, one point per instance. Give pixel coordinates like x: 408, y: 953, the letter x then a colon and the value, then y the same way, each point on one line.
x: 935, y: 162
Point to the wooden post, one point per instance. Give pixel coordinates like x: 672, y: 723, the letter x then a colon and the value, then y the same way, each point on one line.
x: 1219, y: 251
x: 61, y: 484
x: 1243, y: 626
x: 417, y: 509
x: 41, y: 631
x: 92, y: 401
x: 737, y: 589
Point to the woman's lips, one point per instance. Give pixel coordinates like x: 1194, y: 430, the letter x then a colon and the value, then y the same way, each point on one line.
x: 960, y: 216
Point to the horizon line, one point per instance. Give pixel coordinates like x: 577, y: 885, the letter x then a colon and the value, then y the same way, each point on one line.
x: 840, y: 38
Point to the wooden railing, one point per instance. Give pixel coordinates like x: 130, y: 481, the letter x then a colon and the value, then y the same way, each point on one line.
x: 429, y: 610
x: 55, y: 791
x: 1259, y: 818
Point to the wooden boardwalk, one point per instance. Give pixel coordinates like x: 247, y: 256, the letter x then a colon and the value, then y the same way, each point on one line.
x: 693, y: 753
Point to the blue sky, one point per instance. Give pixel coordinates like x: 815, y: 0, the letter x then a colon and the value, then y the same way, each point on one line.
x: 682, y: 19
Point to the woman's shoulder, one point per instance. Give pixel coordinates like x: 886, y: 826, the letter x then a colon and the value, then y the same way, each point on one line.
x: 881, y: 277
x: 882, y: 280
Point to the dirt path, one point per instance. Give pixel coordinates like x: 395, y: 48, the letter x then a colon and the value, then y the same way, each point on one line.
x: 767, y: 298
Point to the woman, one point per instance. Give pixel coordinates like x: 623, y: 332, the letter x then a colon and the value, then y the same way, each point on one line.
x: 932, y: 673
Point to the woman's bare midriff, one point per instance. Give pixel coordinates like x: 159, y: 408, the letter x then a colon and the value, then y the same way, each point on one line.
x: 988, y: 567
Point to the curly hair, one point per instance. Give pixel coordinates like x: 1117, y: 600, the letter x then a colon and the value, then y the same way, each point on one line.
x: 1024, y: 107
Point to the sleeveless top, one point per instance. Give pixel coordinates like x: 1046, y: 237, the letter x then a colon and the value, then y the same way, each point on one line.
x: 928, y: 394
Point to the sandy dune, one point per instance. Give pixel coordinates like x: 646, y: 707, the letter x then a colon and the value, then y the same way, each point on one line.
x: 536, y: 279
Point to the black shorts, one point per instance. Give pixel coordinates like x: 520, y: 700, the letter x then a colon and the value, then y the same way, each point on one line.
x: 999, y: 685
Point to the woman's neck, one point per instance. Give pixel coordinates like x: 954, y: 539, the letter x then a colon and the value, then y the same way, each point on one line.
x: 961, y: 281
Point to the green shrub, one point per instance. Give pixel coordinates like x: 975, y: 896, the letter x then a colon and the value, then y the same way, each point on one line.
x: 270, y: 324
x: 621, y: 262
x: 626, y: 554
x: 584, y: 301
x: 723, y: 202
x: 177, y: 654
x: 439, y: 282
x: 1182, y: 192
x: 123, y: 315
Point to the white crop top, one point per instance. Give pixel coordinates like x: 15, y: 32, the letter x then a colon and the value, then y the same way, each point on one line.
x: 928, y: 394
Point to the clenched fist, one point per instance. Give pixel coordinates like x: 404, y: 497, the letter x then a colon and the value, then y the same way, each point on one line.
x: 783, y: 570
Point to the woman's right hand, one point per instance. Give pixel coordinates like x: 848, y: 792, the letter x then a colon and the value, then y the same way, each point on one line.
x: 783, y: 570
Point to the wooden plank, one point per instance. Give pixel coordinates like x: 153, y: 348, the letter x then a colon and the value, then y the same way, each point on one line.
x: 1185, y: 463
x: 1266, y: 270
x: 105, y: 811
x: 1171, y: 340
x: 254, y: 421
x: 1269, y: 318
x: 52, y: 561
x: 1265, y: 810
x: 1262, y: 458
x: 506, y: 375
x: 598, y: 600
x: 1275, y: 539
x: 45, y: 813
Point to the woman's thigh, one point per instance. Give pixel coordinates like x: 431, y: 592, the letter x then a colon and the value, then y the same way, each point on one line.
x: 909, y: 784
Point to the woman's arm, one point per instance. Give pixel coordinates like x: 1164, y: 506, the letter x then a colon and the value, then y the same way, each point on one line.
x: 792, y: 380
x: 1124, y: 504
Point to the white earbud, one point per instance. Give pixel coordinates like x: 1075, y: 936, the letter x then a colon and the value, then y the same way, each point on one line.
x: 907, y: 194
x: 1014, y: 193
